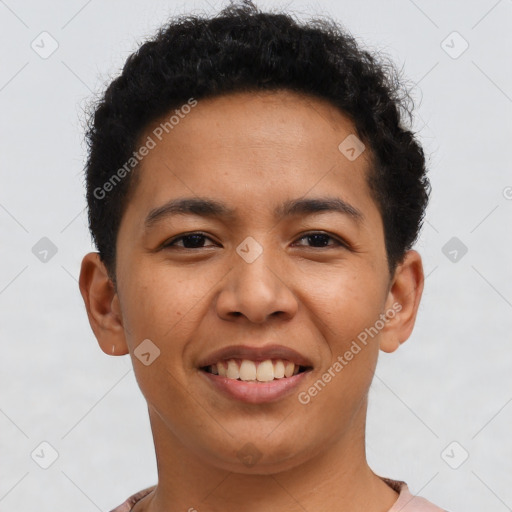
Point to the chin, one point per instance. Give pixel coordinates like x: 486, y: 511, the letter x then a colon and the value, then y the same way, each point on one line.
x: 258, y: 456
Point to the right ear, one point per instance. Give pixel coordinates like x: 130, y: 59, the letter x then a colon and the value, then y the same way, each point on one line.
x: 102, y: 305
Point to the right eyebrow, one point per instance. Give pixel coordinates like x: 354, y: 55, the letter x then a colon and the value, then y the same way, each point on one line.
x: 189, y: 206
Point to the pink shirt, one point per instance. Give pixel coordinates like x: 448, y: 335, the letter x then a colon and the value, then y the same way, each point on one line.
x: 406, y: 501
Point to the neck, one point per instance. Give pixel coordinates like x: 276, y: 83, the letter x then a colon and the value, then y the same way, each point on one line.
x: 338, y: 478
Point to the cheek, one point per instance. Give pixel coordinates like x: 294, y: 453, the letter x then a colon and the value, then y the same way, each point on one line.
x: 345, y: 303
x: 156, y: 323
x: 156, y: 302
x: 348, y: 306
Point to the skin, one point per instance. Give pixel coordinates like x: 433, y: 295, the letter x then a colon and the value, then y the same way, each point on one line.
x: 253, y: 152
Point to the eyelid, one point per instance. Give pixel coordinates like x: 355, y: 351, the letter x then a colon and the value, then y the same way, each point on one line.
x: 339, y: 241
x: 171, y: 241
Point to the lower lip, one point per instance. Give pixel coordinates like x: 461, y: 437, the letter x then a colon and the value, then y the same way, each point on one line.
x: 255, y: 392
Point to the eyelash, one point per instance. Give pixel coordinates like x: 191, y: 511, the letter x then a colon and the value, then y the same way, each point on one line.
x: 338, y: 242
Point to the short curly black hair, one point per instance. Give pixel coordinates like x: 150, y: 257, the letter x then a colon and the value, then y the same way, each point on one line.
x: 243, y: 49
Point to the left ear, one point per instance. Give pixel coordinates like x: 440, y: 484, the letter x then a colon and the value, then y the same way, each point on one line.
x: 402, y: 302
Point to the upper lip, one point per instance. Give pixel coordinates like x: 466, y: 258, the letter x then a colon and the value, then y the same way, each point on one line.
x: 255, y: 354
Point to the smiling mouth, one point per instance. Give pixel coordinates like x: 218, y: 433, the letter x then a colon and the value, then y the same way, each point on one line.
x: 247, y: 370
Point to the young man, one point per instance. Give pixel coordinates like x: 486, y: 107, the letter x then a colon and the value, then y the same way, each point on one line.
x: 254, y: 199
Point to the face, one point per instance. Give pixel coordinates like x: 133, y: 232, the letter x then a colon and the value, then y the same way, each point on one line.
x: 251, y: 248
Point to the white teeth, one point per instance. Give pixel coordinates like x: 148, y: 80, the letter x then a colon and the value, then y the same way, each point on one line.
x: 232, y: 372
x: 288, y: 369
x: 221, y: 368
x: 265, y: 371
x: 247, y: 370
x: 278, y: 369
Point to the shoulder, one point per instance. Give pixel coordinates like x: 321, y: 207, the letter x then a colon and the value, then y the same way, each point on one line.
x: 127, y: 505
x: 408, y: 502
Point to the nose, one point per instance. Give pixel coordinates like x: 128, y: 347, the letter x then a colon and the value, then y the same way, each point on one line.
x: 256, y: 291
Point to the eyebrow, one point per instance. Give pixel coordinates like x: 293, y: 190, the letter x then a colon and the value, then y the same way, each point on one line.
x: 316, y: 205
x: 211, y: 208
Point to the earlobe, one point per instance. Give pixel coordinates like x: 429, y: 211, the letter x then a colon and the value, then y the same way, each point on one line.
x: 102, y: 305
x: 402, y: 302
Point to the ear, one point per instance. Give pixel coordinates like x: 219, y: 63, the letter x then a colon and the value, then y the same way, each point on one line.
x: 102, y: 304
x: 402, y: 302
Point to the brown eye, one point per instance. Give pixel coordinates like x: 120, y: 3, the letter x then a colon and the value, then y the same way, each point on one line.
x: 319, y: 240
x: 190, y: 241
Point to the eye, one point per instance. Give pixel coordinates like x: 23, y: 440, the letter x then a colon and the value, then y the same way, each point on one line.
x: 197, y: 240
x: 320, y: 240
x: 189, y: 241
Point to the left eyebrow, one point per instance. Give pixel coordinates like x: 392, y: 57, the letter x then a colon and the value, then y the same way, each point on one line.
x: 317, y: 205
x: 205, y: 207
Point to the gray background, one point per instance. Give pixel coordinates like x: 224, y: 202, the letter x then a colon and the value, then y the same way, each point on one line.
x: 450, y: 382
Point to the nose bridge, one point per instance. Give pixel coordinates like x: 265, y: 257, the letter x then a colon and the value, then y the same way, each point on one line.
x: 256, y: 270
x: 254, y: 287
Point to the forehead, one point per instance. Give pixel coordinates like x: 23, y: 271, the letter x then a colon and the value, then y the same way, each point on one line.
x: 252, y: 148
x: 282, y: 121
